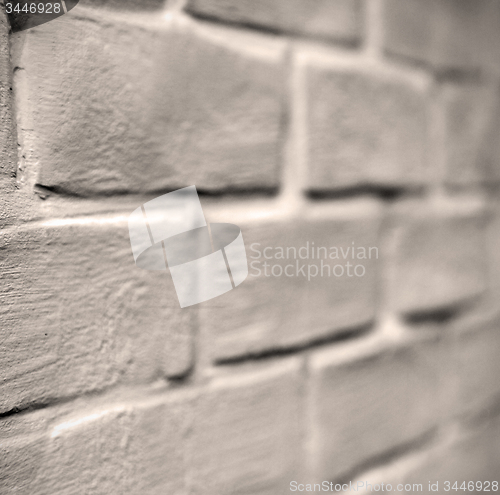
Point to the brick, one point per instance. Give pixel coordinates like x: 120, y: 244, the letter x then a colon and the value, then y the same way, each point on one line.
x: 116, y: 449
x: 246, y: 431
x: 78, y: 315
x: 274, y: 312
x: 20, y: 460
x: 22, y: 448
x: 464, y: 456
x: 490, y: 149
x: 474, y: 456
x: 369, y: 399
x: 8, y: 143
x: 468, y: 111
x: 365, y: 127
x: 438, y: 261
x: 476, y: 366
x: 157, y: 446
x: 87, y: 454
x: 338, y: 20
x: 446, y: 34
x: 107, y: 445
x: 13, y: 207
x: 132, y: 106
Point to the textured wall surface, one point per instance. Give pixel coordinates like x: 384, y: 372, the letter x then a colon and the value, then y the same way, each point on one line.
x: 371, y: 123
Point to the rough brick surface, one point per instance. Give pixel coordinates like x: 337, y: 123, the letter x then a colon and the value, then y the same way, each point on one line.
x: 8, y: 150
x: 473, y: 457
x: 469, y: 112
x: 121, y: 447
x: 87, y: 457
x: 78, y: 315
x: 438, y: 260
x: 447, y: 34
x: 365, y: 130
x: 269, y: 312
x: 246, y: 432
x: 340, y: 19
x: 476, y: 367
x: 364, y: 127
x: 369, y: 400
x: 157, y: 448
x: 122, y: 450
x: 21, y: 452
x: 192, y: 96
x: 490, y: 149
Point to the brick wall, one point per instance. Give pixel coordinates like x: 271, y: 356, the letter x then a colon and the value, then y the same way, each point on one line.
x: 338, y: 122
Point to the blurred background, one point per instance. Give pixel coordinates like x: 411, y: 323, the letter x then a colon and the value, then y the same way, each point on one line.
x: 356, y: 145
